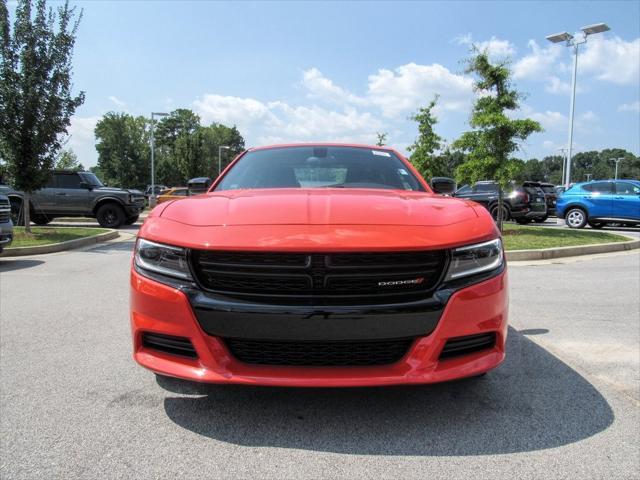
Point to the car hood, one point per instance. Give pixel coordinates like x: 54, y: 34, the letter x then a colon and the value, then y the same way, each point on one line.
x: 319, y: 207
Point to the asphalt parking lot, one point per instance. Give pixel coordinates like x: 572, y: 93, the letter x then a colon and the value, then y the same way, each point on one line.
x: 565, y: 404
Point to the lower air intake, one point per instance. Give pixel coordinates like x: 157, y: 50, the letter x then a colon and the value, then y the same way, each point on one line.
x: 319, y: 354
x: 470, y: 344
x: 180, y: 346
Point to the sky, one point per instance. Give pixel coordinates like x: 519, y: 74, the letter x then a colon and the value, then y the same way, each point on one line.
x: 342, y: 71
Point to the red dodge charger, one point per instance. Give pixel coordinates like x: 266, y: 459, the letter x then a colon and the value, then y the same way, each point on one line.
x: 319, y: 265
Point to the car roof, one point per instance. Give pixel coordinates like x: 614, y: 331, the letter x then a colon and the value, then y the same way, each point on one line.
x: 322, y: 144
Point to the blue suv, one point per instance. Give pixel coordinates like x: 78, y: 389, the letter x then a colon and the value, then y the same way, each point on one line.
x: 600, y: 202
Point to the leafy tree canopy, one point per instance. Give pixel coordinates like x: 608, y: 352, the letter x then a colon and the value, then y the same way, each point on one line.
x: 36, y: 100
x: 68, y: 160
x: 495, y: 136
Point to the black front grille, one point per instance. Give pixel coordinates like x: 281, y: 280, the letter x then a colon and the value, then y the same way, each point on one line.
x: 169, y: 344
x: 319, y: 354
x: 319, y: 275
x: 470, y: 344
x: 5, y: 210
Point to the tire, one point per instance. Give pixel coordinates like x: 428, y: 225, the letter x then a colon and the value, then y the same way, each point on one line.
x: 523, y: 221
x: 110, y: 215
x: 131, y: 220
x: 40, y: 219
x: 576, y: 218
x: 596, y: 225
x: 541, y: 219
x: 494, y: 213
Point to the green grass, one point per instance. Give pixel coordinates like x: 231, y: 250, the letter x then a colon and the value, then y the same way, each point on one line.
x: 48, y: 235
x: 525, y: 237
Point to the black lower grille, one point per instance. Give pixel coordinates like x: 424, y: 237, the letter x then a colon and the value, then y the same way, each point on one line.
x: 169, y: 344
x: 470, y: 344
x: 319, y: 354
x: 319, y: 275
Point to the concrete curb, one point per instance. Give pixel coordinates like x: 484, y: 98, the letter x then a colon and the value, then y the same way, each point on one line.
x: 59, y: 247
x: 89, y: 220
x: 559, y: 252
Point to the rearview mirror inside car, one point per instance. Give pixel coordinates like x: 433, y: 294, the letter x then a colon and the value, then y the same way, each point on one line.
x: 443, y: 185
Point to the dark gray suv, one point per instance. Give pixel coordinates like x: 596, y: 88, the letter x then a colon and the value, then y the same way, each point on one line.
x: 78, y: 194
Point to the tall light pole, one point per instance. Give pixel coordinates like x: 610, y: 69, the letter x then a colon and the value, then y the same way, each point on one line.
x: 220, y: 148
x: 564, y: 163
x: 617, y: 160
x: 574, y: 43
x: 152, y: 197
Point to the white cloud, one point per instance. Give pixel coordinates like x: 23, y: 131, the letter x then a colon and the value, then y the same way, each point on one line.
x: 323, y: 88
x: 495, y: 47
x: 539, y: 64
x: 242, y: 112
x: 549, y: 120
x: 612, y: 59
x: 280, y: 122
x: 119, y: 103
x: 410, y: 86
x: 629, y: 107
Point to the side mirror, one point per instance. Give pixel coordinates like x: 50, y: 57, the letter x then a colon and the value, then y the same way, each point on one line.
x: 85, y: 185
x: 443, y: 185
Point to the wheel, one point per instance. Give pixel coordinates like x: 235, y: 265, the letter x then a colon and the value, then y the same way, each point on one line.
x: 523, y: 221
x: 110, y: 215
x: 541, y: 219
x: 596, y: 225
x: 16, y: 211
x: 131, y: 220
x: 40, y: 219
x: 576, y: 218
x: 494, y: 213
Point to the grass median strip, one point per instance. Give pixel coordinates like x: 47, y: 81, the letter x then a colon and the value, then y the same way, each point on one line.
x: 49, y: 235
x: 525, y: 237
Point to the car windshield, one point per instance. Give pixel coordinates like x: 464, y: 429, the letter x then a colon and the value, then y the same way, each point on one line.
x: 92, y: 180
x: 548, y: 188
x: 320, y: 167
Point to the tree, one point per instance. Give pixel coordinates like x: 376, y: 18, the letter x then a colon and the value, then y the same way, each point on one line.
x: 68, y: 160
x: 423, y: 151
x: 122, y: 142
x: 36, y: 103
x: 495, y: 136
x: 382, y: 138
x: 213, y: 137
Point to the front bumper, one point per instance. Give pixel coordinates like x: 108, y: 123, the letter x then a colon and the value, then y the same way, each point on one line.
x: 6, y: 234
x: 479, y: 308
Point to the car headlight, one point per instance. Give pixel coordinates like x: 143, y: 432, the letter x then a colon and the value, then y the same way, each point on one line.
x: 477, y: 258
x: 163, y: 259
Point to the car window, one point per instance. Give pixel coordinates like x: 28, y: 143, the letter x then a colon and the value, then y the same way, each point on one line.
x: 464, y: 189
x: 548, y: 188
x: 485, y: 187
x: 51, y: 182
x: 69, y: 181
x: 598, y: 187
x: 182, y: 192
x: 320, y: 167
x: 626, y: 188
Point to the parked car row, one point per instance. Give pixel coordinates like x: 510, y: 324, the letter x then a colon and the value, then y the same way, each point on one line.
x: 77, y: 194
x: 599, y: 203
x: 523, y: 204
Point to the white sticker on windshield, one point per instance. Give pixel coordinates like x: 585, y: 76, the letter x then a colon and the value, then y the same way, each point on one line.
x: 380, y: 153
x: 402, y: 171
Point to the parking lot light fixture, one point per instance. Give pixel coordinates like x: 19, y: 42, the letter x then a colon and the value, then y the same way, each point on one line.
x: 617, y: 161
x: 220, y: 148
x: 574, y: 42
x: 152, y: 197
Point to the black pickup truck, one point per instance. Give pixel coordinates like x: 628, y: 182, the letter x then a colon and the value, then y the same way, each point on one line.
x: 77, y: 194
x: 523, y: 204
